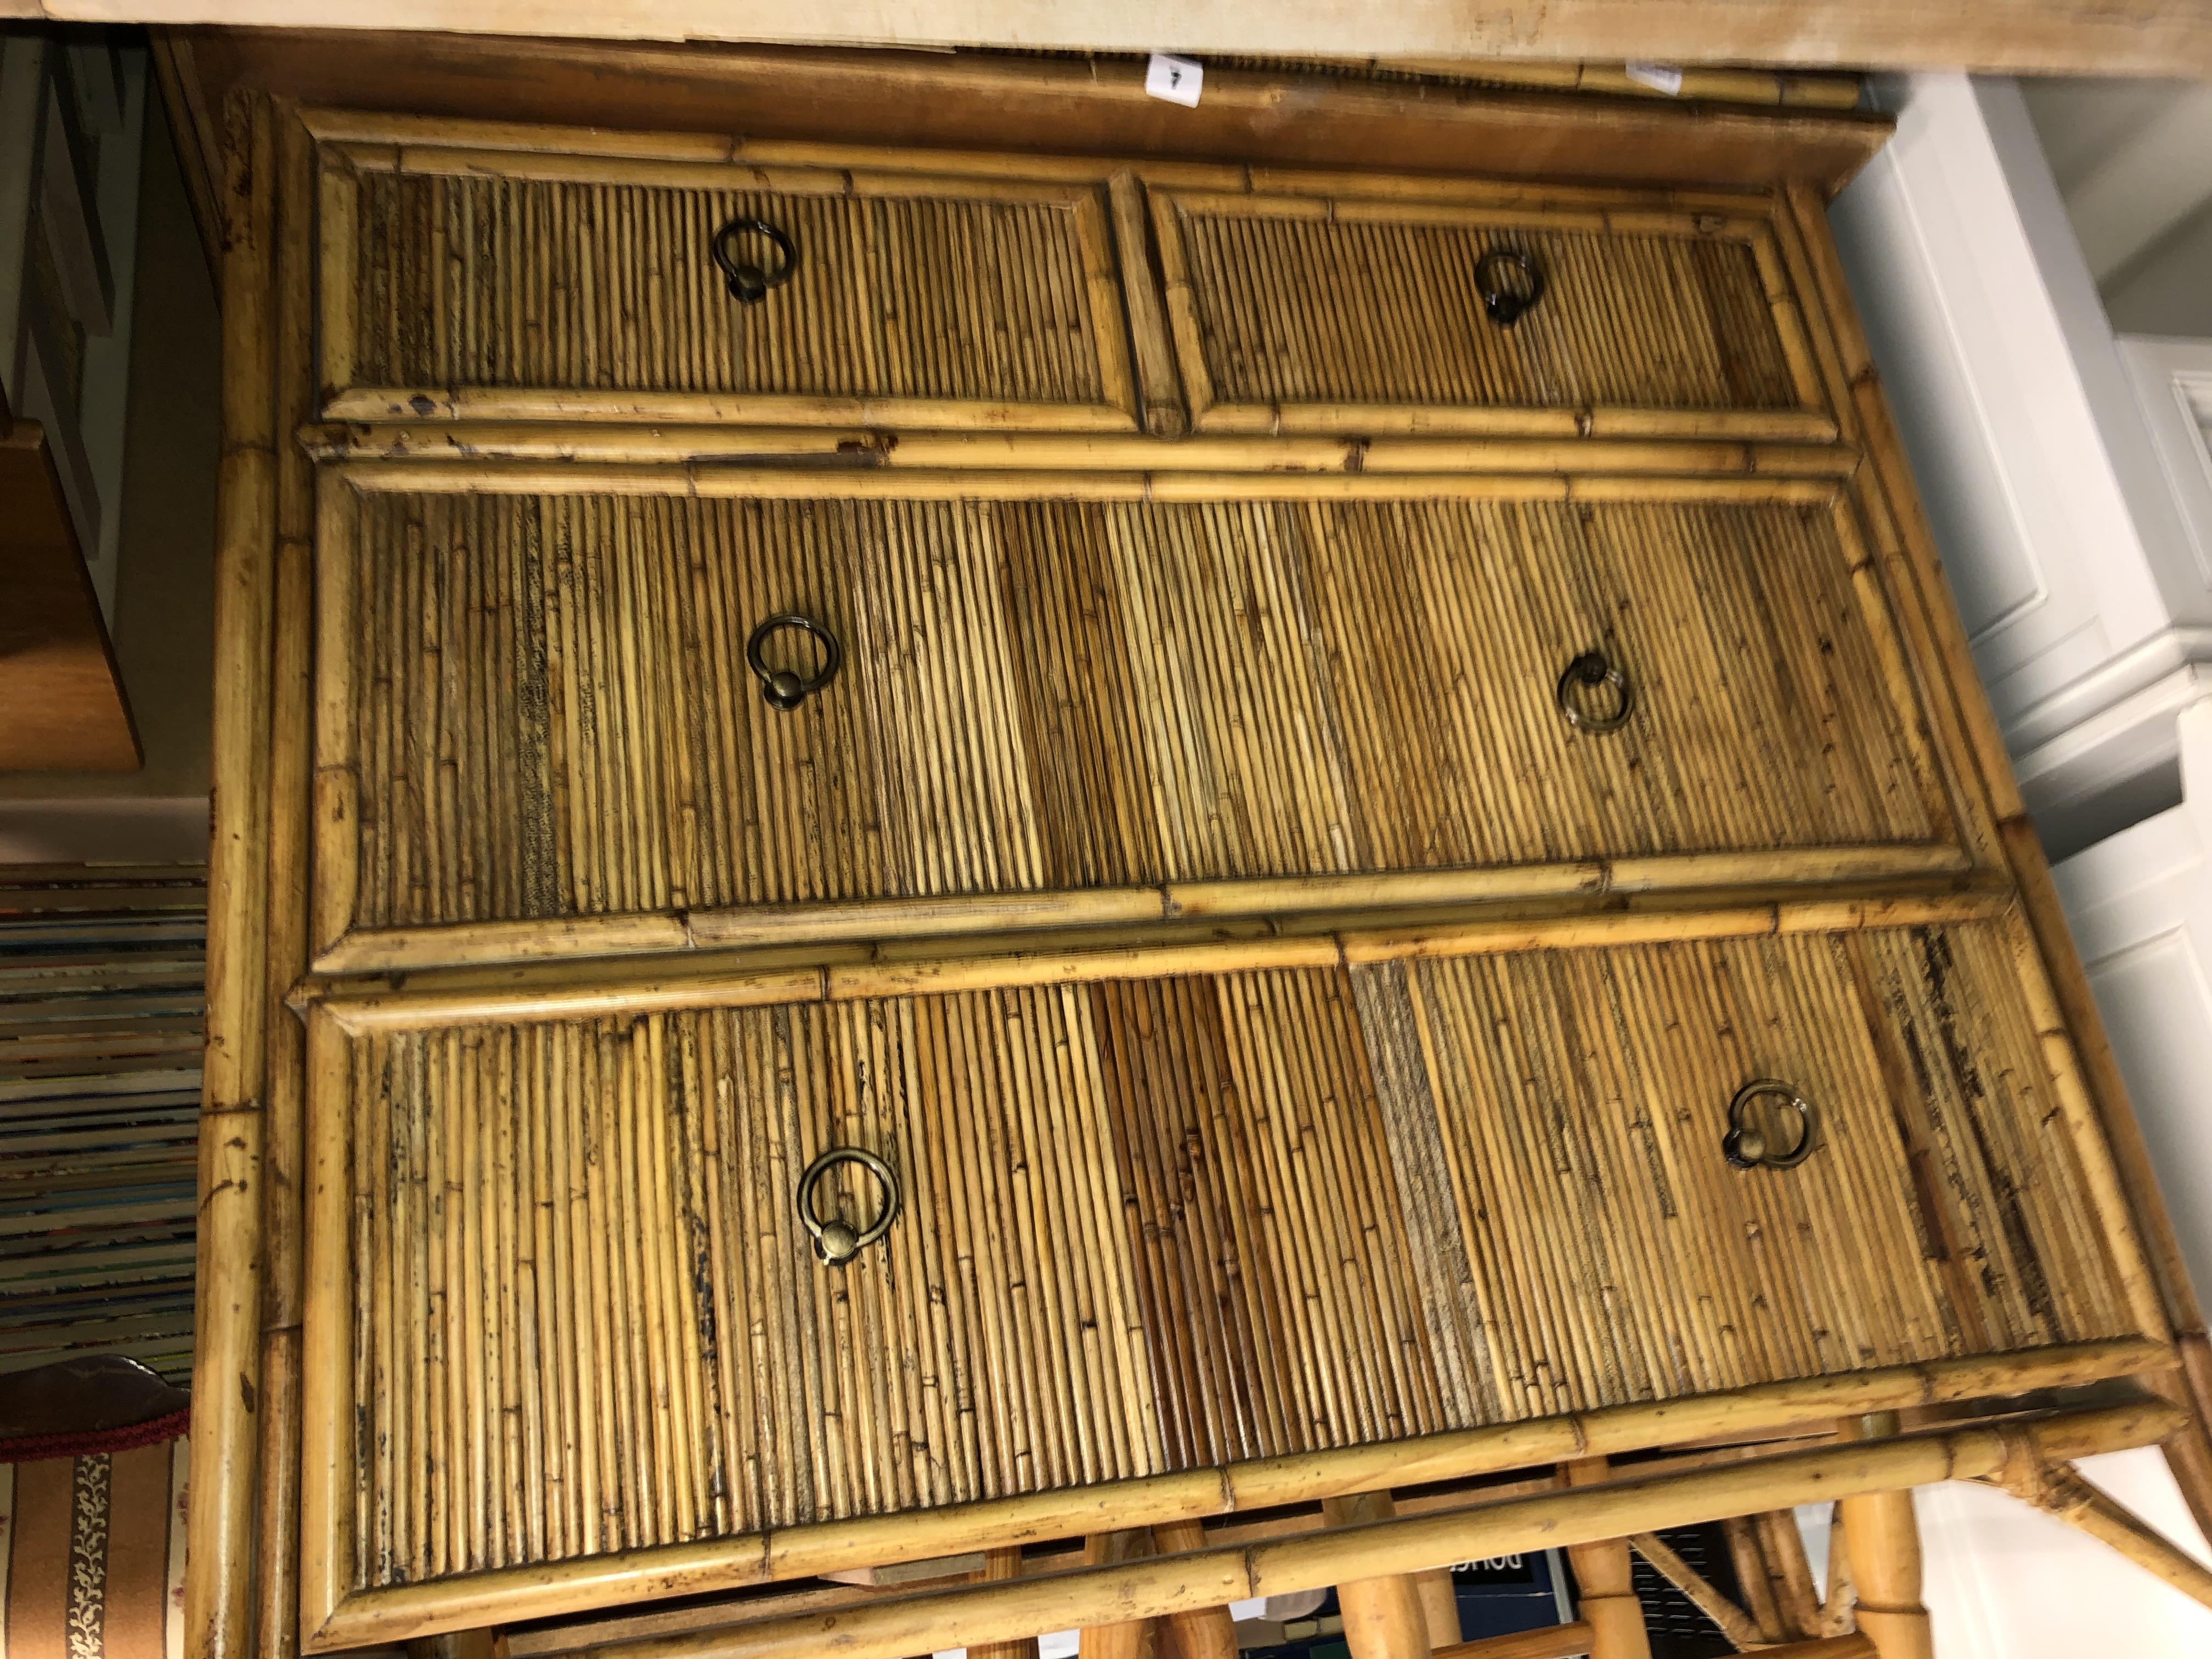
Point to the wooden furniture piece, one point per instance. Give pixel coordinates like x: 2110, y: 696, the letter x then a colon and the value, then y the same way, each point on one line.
x: 66, y: 710
x: 925, y: 854
x: 71, y: 116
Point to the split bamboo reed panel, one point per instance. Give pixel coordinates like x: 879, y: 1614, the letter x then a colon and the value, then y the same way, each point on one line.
x: 545, y: 701
x: 486, y: 285
x: 1308, y: 312
x: 1563, y: 1115
x: 1154, y: 1226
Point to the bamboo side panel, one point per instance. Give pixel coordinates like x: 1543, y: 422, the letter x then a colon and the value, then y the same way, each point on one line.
x: 586, y: 1319
x: 543, y: 703
x: 1598, y: 1250
x: 465, y: 290
x: 1297, y: 312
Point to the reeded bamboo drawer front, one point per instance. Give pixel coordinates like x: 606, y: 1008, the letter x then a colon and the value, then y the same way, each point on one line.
x: 563, y: 1304
x: 525, y: 284
x: 539, y: 730
x: 1408, y: 304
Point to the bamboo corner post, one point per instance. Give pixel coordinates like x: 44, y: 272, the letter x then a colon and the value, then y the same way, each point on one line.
x: 1133, y: 1638
x: 1383, y: 1617
x: 1607, y: 1579
x: 218, y: 1612
x: 1885, y: 1546
x: 1201, y: 1632
x: 1003, y: 1567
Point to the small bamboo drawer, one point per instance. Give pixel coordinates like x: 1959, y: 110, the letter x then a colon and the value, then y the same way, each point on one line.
x: 561, y: 1302
x: 509, y: 273
x: 1392, y: 306
x: 1062, y: 703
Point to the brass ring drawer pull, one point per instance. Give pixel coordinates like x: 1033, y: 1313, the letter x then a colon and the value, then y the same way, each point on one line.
x: 748, y: 279
x: 838, y: 1242
x: 1746, y: 1144
x: 1509, y: 285
x: 780, y: 687
x: 1587, y: 672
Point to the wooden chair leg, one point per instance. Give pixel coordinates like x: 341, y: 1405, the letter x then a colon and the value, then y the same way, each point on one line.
x: 1137, y: 1639
x: 1609, y: 1606
x: 1382, y: 1617
x: 1884, y: 1540
x: 1207, y: 1632
x: 999, y: 1566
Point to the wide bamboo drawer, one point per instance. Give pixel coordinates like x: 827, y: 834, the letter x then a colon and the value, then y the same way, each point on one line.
x: 1057, y: 702
x: 1330, y: 303
x: 526, y: 276
x: 561, y: 1302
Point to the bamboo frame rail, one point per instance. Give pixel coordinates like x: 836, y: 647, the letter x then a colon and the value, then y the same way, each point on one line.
x: 889, y: 1629
x: 1559, y: 1642
x: 863, y: 448
x: 2062, y: 1493
x: 1418, y: 900
x: 539, y: 992
x: 368, y: 1617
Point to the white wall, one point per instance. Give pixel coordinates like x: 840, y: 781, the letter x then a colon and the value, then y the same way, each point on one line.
x: 2058, y: 465
x: 2083, y: 599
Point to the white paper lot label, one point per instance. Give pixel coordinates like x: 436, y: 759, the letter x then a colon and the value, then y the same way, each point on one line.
x: 1176, y: 79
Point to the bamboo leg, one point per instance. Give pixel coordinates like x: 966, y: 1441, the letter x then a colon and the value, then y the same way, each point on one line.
x: 1206, y: 1633
x: 2061, y: 1491
x: 1885, y: 1545
x: 1608, y: 1590
x: 1136, y: 1638
x: 1842, y: 1597
x: 1788, y: 1571
x: 227, y: 1301
x: 1439, y: 1606
x: 998, y: 1567
x: 1751, y: 1575
x: 1382, y: 1617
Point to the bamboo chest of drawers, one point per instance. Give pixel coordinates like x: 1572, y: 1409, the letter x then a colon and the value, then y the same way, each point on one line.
x: 936, y: 850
